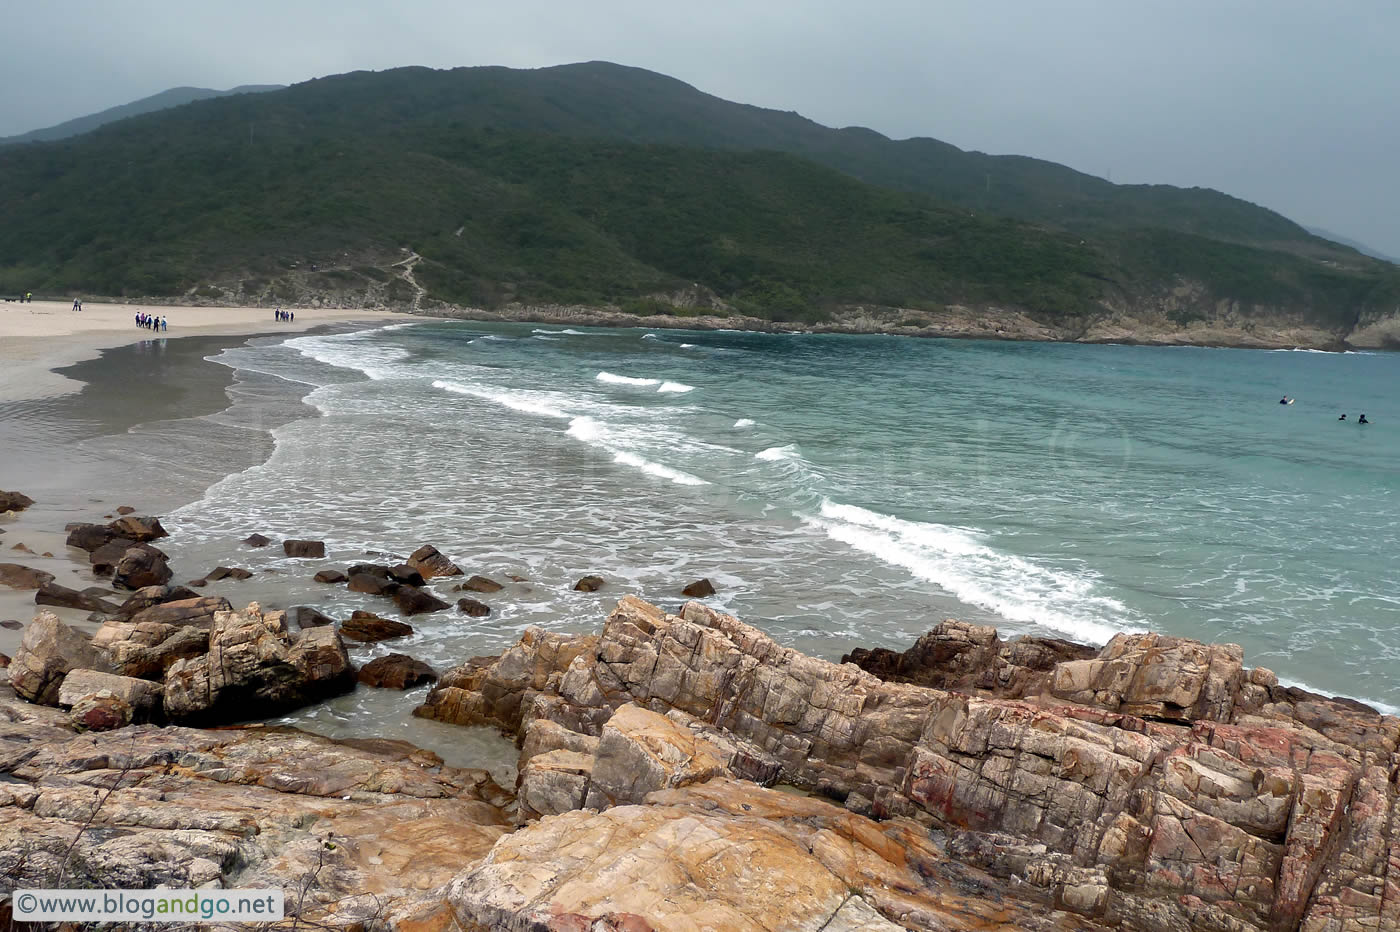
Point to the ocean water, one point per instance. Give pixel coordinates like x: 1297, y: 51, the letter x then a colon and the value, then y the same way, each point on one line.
x: 839, y: 491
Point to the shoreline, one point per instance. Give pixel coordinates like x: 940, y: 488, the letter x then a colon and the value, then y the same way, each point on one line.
x: 958, y: 324
x: 32, y: 381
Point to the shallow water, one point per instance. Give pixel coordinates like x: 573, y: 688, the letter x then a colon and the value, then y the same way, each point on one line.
x: 838, y: 490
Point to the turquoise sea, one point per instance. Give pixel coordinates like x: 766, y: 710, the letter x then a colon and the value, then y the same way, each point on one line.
x: 842, y: 491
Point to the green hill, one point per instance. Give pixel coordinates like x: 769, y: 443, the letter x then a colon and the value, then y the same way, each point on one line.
x: 600, y: 184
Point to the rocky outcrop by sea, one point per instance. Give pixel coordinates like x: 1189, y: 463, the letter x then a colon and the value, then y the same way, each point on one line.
x: 685, y: 771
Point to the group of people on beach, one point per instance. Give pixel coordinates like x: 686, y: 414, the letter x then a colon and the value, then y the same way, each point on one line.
x: 1285, y: 400
x: 285, y: 316
x: 150, y: 321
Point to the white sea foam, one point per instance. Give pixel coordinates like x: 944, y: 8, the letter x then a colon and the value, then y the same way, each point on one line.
x: 744, y: 422
x: 687, y: 346
x: 650, y: 336
x: 772, y: 454
x: 624, y: 379
x: 546, y: 339
x: 656, y: 469
x: 571, y: 332
x: 595, y: 433
x: 516, y: 401
x: 348, y: 351
x: 677, y: 387
x: 954, y: 559
x: 491, y: 338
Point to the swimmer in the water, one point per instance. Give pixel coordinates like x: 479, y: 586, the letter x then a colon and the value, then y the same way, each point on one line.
x: 1342, y: 418
x: 1362, y: 420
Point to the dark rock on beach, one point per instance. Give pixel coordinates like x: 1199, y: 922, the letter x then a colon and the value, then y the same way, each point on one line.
x: 141, y: 566
x: 590, y: 584
x: 698, y: 589
x: 12, y: 624
x: 14, y: 501
x: 257, y: 540
x: 473, y: 608
x: 478, y: 584
x: 17, y: 576
x: 396, y: 671
x: 431, y: 563
x: 380, y: 570
x: 104, y: 559
x: 125, y: 510
x: 330, y: 576
x: 144, y: 598
x: 414, y: 601
x: 89, y: 536
x: 368, y: 628
x: 304, y: 548
x: 63, y: 597
x: 138, y: 529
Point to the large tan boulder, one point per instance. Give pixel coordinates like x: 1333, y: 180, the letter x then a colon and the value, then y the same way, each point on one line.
x: 1153, y: 676
x: 49, y: 650
x: 640, y: 751
x: 254, y: 668
x: 145, y: 649
x: 732, y: 856
x: 142, y: 697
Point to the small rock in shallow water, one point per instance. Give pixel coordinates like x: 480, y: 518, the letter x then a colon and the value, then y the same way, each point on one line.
x: 473, y: 608
x: 12, y: 624
x: 699, y: 589
x: 396, y: 671
x: 479, y: 584
x: 414, y: 601
x: 589, y: 584
x: 430, y: 561
x: 257, y: 540
x: 330, y: 576
x: 368, y: 627
x: 14, y: 501
x: 125, y: 510
x: 304, y: 548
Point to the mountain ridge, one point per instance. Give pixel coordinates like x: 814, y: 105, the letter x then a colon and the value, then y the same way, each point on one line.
x: 610, y: 186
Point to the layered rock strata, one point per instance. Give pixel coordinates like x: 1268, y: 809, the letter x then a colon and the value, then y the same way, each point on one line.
x: 1154, y: 784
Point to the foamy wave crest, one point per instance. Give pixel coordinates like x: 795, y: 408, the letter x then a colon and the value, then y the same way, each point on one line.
x: 687, y: 346
x: 650, y: 336
x: 491, y: 338
x: 514, y: 401
x: 350, y: 351
x: 677, y: 387
x: 545, y: 338
x: 596, y: 434
x: 624, y: 379
x: 571, y: 332
x: 772, y: 454
x: 744, y: 422
x: 656, y: 469
x: 952, y: 558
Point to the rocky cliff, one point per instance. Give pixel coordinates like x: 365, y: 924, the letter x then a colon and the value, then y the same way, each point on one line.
x: 684, y: 771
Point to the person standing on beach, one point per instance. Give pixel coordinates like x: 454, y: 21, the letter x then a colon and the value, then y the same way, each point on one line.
x: 163, y: 325
x: 77, y: 304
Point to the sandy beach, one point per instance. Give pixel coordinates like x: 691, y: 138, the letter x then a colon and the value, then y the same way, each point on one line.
x: 39, y: 408
x: 44, y: 335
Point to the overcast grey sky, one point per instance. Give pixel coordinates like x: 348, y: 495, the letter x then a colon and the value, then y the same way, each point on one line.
x: 1294, y: 105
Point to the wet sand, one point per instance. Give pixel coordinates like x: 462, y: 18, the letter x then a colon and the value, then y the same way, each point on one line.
x: 74, y: 383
